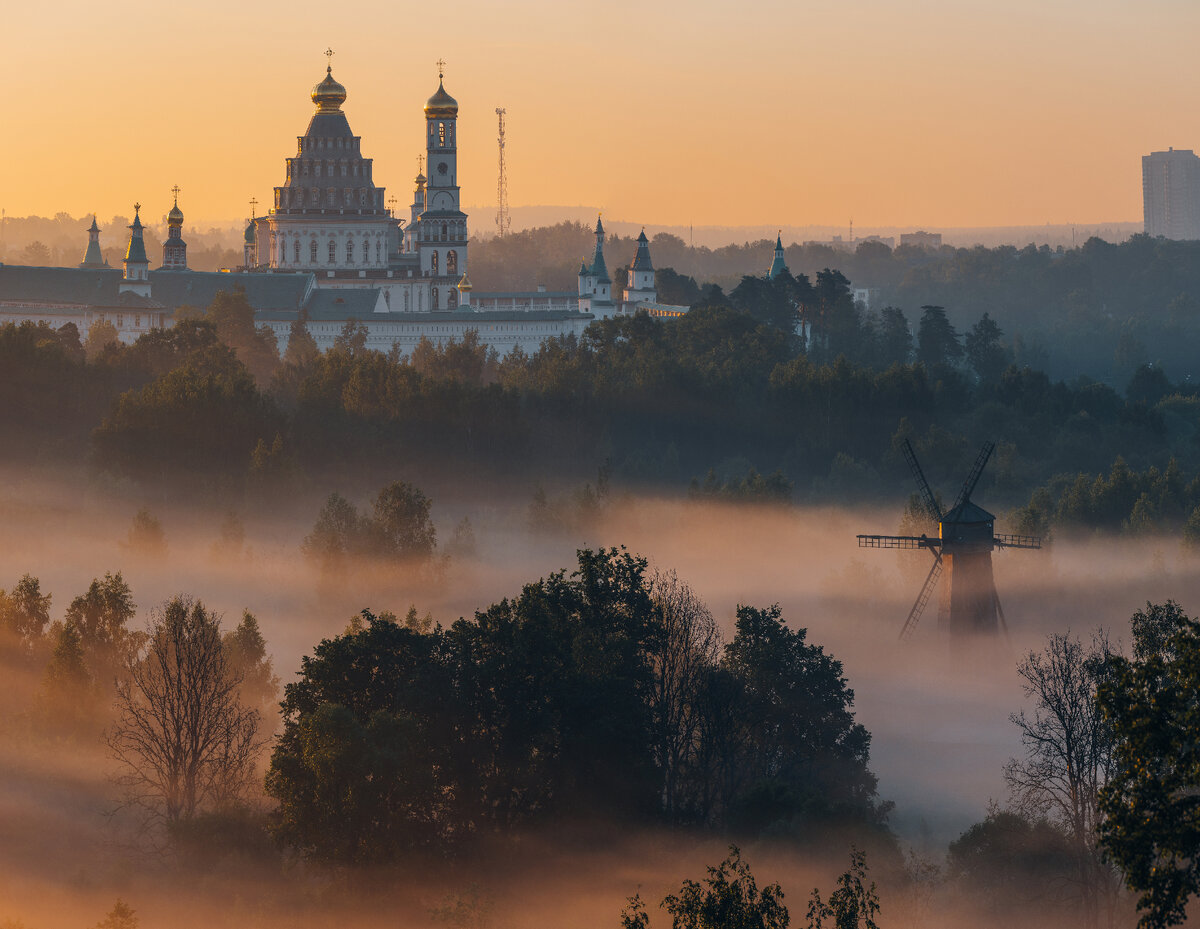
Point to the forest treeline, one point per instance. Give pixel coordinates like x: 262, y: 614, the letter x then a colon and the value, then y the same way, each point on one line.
x: 725, y: 401
x: 61, y: 241
x: 1099, y: 310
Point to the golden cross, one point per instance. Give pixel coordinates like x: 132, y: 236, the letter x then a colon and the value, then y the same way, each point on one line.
x: 136, y: 208
x: 175, y: 191
x: 328, y: 53
x: 253, y: 204
x: 420, y: 164
x: 441, y: 63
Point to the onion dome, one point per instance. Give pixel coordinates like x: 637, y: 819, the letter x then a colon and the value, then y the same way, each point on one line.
x: 441, y: 105
x: 421, y: 179
x: 464, y: 286
x: 250, y: 234
x: 175, y: 217
x: 329, y: 95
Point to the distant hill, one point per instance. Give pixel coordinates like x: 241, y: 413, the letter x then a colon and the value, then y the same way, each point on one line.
x: 529, y: 217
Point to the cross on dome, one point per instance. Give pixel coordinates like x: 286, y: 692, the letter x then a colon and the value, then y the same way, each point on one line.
x: 328, y: 53
x: 441, y: 66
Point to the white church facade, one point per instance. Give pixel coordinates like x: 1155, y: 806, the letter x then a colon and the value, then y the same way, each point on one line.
x: 330, y: 248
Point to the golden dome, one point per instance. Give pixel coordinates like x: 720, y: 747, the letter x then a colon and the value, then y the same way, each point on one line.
x: 176, y: 214
x: 464, y: 286
x: 441, y: 105
x: 329, y: 95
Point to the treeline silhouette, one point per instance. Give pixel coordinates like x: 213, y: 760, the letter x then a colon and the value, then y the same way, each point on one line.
x: 603, y: 694
x: 723, y: 401
x: 1100, y: 310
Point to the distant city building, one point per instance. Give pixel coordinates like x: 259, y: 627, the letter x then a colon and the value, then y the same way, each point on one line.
x: 931, y: 241
x: 866, y: 297
x: 1171, y: 193
x: 849, y: 245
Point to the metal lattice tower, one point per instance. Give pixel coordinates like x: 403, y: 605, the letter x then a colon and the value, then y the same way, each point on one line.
x: 503, y: 220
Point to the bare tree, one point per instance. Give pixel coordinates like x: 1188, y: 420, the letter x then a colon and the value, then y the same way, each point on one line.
x: 1068, y: 755
x: 182, y: 739
x: 687, y: 650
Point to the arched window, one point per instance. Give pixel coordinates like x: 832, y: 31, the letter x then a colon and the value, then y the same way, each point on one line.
x: 433, y: 299
x: 349, y: 251
x: 443, y: 231
x: 366, y: 252
x: 452, y: 262
x: 378, y: 252
x: 296, y: 250
x: 433, y: 262
x: 332, y: 251
x: 452, y: 298
x: 312, y: 252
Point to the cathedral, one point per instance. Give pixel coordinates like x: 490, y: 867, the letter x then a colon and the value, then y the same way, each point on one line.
x: 331, y: 251
x: 330, y: 218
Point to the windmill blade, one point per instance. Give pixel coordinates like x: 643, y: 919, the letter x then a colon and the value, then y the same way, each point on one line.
x: 914, y: 615
x: 899, y: 541
x: 976, y: 470
x: 1003, y: 540
x: 922, y: 485
x: 1000, y: 616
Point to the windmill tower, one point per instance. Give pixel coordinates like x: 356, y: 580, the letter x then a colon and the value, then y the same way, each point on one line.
x: 962, y: 552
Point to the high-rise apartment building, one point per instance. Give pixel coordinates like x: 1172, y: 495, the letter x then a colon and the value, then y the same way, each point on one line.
x: 1171, y: 193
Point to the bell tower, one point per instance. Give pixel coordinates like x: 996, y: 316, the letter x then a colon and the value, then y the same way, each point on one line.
x: 443, y: 225
x: 175, y: 249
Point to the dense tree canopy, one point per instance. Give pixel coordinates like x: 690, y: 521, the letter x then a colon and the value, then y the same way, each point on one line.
x: 555, y: 702
x: 1150, y: 803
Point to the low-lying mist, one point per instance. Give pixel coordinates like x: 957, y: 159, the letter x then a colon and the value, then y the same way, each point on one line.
x: 939, y: 719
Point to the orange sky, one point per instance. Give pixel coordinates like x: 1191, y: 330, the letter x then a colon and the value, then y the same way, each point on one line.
x: 929, y: 113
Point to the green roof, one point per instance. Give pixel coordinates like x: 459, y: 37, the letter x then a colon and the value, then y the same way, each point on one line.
x: 641, y: 261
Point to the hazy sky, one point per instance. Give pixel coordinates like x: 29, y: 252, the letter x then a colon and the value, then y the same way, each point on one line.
x: 924, y: 112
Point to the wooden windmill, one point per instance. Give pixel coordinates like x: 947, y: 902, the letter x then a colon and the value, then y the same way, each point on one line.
x: 962, y: 551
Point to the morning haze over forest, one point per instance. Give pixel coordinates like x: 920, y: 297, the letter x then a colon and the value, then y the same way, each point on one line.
x: 638, y: 465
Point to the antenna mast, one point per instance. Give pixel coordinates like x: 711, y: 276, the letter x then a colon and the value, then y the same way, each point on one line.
x: 503, y: 220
